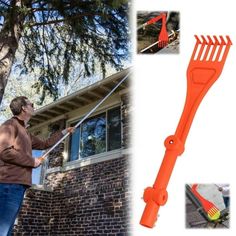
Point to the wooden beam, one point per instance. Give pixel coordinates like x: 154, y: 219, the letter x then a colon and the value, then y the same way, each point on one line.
x: 105, y: 88
x: 97, y: 95
x: 74, y: 104
x: 77, y: 101
x: 59, y: 110
x: 64, y: 107
x: 87, y: 100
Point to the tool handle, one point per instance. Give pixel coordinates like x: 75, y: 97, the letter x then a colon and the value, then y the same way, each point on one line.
x: 197, y: 194
x: 197, y: 88
x: 151, y: 21
x: 163, y: 25
x: 157, y: 195
x: 142, y: 26
x: 155, y: 19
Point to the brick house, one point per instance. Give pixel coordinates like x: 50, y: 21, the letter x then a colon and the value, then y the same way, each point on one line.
x: 85, y: 182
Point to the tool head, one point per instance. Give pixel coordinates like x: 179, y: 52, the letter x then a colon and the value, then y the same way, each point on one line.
x: 213, y: 213
x: 208, y: 59
x: 205, y: 66
x: 163, y: 36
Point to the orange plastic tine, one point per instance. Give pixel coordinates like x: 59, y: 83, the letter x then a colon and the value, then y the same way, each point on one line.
x: 210, y: 43
x: 223, y: 44
x: 203, y: 44
x: 216, y: 44
x: 201, y: 74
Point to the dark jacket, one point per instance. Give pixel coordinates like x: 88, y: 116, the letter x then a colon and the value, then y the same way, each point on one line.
x: 16, y: 144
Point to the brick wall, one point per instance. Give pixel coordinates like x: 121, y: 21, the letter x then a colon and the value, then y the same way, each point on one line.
x: 90, y: 200
x: 35, y: 214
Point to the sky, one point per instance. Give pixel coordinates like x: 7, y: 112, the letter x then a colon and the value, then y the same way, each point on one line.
x: 36, y: 171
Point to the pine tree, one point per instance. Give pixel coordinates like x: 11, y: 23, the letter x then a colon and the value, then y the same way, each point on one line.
x: 58, y: 35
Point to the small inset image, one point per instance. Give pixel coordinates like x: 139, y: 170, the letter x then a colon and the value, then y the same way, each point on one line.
x: 207, y: 205
x: 158, y: 32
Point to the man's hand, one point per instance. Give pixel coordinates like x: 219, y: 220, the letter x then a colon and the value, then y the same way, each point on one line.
x: 38, y: 161
x: 70, y: 129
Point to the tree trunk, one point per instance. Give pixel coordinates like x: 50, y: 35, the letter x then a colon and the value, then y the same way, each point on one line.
x: 9, y: 40
x: 7, y: 54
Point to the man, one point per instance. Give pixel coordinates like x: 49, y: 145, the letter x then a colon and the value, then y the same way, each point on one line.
x: 16, y: 161
x: 224, y: 189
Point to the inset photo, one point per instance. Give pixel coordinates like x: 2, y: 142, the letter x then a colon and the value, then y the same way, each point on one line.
x: 207, y: 205
x: 158, y: 32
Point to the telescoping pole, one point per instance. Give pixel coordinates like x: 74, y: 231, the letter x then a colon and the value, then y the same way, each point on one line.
x: 86, y: 116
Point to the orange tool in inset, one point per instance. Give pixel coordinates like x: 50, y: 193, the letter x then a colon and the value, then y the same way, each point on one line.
x: 212, y: 211
x: 163, y: 36
x: 204, y: 68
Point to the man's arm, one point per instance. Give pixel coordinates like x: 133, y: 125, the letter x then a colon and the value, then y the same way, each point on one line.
x: 41, y: 144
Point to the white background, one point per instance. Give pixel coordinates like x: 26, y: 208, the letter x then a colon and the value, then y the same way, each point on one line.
x: 159, y: 88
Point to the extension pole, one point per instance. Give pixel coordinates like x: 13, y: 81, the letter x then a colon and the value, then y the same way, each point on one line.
x: 85, y: 117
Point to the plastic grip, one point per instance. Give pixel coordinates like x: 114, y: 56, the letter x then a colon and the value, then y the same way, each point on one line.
x: 149, y: 216
x: 157, y: 196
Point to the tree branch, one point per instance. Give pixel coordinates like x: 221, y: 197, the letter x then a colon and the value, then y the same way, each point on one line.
x: 60, y: 20
x: 49, y: 9
x: 42, y: 9
x: 4, y: 3
x: 36, y: 1
x: 46, y: 23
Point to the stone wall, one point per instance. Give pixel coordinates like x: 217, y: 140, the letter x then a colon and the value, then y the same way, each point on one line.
x: 90, y: 200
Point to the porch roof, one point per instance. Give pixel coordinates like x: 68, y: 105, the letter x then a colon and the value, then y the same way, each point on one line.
x: 79, y: 98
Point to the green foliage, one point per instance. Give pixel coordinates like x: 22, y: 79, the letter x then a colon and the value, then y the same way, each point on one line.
x: 60, y: 35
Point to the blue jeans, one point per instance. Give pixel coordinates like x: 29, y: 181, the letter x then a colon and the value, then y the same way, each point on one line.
x: 11, y: 198
x: 226, y: 201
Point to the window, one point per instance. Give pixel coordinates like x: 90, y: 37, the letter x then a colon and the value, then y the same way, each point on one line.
x: 114, y: 129
x: 36, y: 174
x: 93, y: 136
x: 97, y: 134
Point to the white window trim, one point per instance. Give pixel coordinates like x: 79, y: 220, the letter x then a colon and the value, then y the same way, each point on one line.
x: 101, y: 157
x: 105, y: 156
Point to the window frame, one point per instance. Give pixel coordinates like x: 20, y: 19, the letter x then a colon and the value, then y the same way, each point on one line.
x: 77, y: 119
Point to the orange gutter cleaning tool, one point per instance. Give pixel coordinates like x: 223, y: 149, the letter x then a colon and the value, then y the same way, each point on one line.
x: 163, y: 39
x: 204, y: 68
x: 212, y: 211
